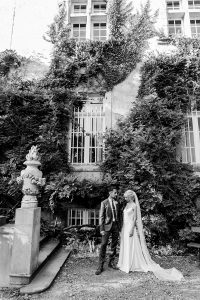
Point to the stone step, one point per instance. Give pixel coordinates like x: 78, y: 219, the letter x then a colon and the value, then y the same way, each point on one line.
x: 43, y: 239
x: 47, y: 274
x: 46, y: 250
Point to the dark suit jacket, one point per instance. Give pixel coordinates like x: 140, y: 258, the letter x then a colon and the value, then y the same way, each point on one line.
x: 106, y: 217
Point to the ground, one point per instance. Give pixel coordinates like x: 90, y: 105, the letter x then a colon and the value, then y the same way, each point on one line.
x: 77, y: 281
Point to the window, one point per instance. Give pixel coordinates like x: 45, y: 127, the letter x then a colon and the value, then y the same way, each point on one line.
x: 174, y: 5
x: 75, y: 217
x: 188, y: 155
x: 87, y: 134
x: 99, y: 8
x: 99, y: 31
x: 195, y: 28
x: 191, y: 139
x: 79, y: 8
x: 83, y: 216
x: 174, y: 27
x: 194, y: 4
x: 93, y: 217
x: 79, y: 32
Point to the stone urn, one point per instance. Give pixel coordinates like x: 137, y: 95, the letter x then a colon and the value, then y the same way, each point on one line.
x: 31, y: 178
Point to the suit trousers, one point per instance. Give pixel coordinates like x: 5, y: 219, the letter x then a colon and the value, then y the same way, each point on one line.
x: 114, y: 233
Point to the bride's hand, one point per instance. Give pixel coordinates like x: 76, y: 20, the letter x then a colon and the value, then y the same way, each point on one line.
x: 131, y: 233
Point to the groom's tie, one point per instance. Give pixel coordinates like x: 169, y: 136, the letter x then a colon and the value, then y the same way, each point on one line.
x: 114, y: 211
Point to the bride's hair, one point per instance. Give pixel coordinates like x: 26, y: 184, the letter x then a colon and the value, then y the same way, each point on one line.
x: 130, y: 193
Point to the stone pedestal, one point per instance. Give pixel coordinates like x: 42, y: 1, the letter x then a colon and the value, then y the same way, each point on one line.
x: 25, y: 250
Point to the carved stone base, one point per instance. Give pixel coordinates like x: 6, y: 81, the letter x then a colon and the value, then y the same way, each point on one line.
x: 29, y: 201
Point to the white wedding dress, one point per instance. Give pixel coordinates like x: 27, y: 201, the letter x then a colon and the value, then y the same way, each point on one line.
x: 134, y: 255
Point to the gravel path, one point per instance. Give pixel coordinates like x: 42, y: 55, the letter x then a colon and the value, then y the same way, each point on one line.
x: 77, y: 281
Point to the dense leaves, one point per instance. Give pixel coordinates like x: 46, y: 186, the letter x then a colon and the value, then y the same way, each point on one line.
x: 39, y: 112
x: 144, y: 152
x: 100, y: 65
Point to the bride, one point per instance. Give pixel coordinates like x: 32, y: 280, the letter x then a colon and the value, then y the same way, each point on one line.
x: 134, y: 255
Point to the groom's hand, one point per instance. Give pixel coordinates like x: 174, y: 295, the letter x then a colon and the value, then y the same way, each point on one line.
x: 102, y: 232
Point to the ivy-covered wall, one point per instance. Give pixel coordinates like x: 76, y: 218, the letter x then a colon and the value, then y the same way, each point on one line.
x: 141, y: 153
x: 38, y: 112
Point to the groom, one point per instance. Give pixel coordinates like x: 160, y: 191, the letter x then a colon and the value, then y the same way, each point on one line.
x: 109, y: 221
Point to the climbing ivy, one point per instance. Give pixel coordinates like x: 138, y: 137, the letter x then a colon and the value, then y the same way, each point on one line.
x: 39, y: 112
x: 144, y: 154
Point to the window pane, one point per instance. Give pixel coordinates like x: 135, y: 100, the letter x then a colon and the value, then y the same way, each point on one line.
x: 192, y: 139
x: 96, y: 33
x: 188, y: 156
x: 190, y: 124
x: 188, y: 151
x: 193, y: 155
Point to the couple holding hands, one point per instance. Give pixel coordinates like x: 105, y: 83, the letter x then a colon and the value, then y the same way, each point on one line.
x: 133, y: 255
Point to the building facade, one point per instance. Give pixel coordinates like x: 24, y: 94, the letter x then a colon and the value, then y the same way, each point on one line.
x: 88, y: 21
x: 180, y: 17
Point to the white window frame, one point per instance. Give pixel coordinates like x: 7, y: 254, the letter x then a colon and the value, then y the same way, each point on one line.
x: 194, y: 4
x: 173, y: 6
x: 86, y: 142
x: 99, y: 29
x: 81, y: 30
x: 191, y: 139
x: 80, y: 8
x: 81, y: 216
x: 100, y: 9
x: 175, y: 27
x: 195, y: 24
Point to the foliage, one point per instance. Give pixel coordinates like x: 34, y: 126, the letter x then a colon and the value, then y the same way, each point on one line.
x: 63, y: 188
x: 100, y: 64
x: 9, y: 60
x: 119, y: 14
x: 39, y: 112
x: 58, y: 29
x: 143, y: 153
x: 81, y: 237
x: 32, y: 114
x: 155, y: 228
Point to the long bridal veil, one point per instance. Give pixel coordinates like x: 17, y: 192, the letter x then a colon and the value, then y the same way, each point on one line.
x: 162, y: 274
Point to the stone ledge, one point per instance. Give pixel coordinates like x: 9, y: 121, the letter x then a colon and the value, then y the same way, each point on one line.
x: 86, y: 168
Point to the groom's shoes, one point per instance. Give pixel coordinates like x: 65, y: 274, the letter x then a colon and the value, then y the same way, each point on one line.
x: 99, y: 270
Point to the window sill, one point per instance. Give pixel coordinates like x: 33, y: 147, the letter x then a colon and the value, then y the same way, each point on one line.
x: 86, y: 168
